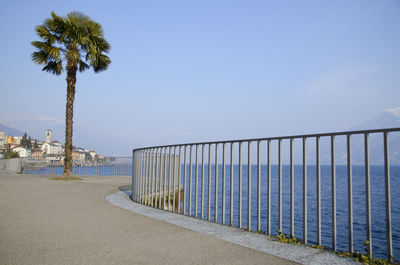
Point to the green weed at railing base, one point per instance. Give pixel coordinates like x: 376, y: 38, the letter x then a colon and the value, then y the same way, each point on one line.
x: 362, y: 258
x: 282, y: 237
x: 365, y: 259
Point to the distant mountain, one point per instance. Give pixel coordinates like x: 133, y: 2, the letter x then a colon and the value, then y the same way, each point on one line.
x: 36, y: 128
x: 10, y: 131
x: 389, y: 118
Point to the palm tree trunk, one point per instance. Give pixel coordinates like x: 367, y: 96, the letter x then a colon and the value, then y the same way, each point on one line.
x: 69, y: 113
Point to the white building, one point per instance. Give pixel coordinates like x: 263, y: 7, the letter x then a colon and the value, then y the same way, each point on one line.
x: 92, y: 154
x: 50, y: 147
x: 23, y: 152
x: 78, y: 156
x: 49, y: 136
x: 17, y: 139
x: 3, y: 138
x: 53, y: 148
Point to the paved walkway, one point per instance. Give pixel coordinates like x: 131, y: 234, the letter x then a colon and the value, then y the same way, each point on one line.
x: 69, y: 222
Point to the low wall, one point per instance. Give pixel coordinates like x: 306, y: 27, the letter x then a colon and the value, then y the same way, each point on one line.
x: 13, y: 164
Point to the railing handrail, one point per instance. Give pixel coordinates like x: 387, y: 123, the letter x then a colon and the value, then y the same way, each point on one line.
x: 276, y: 138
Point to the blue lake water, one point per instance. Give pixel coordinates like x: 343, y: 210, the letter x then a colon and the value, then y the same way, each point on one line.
x: 359, y: 208
x: 377, y: 184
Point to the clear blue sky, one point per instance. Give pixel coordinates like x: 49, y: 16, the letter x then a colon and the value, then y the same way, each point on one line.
x: 187, y: 71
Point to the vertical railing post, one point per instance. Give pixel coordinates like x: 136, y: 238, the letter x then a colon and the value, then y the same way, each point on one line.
x: 333, y: 183
x: 349, y: 193
x: 258, y: 186
x: 231, y: 201
x: 240, y: 185
x: 179, y: 179
x: 318, y: 174
x: 139, y: 194
x: 174, y: 172
x: 143, y: 162
x: 144, y: 176
x: 165, y: 177
x: 196, y: 181
x: 216, y: 183
x: 249, y: 186
x: 133, y: 186
x: 367, y: 195
x: 184, y: 179
x: 209, y: 183
x: 269, y: 186
x: 141, y: 176
x: 223, y: 183
x: 304, y: 191
x: 159, y: 177
x: 280, y: 185
x: 170, y: 176
x: 148, y: 176
x: 153, y: 177
x: 190, y: 179
x: 202, y: 181
x: 388, y: 198
x: 291, y: 189
x: 136, y: 176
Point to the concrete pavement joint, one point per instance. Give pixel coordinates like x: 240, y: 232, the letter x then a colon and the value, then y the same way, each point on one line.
x: 259, y: 242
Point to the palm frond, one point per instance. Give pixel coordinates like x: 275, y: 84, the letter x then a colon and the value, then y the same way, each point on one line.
x: 39, y: 57
x: 50, y: 50
x: 100, y: 43
x: 83, y: 66
x: 100, y: 63
x: 45, y: 34
x: 54, y: 67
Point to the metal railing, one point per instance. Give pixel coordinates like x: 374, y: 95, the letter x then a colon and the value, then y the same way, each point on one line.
x: 109, y: 166
x: 159, y: 179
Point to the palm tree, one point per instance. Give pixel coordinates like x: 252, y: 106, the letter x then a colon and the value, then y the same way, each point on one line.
x: 77, y: 41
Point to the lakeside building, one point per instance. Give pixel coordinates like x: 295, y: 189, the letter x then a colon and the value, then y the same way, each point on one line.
x: 92, y: 154
x: 78, y: 156
x: 49, y: 136
x: 14, y: 140
x: 37, y: 154
x: 48, y: 150
x: 53, y: 148
x: 22, y: 151
x: 3, y: 139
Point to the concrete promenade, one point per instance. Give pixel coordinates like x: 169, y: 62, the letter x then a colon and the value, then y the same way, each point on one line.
x: 69, y: 222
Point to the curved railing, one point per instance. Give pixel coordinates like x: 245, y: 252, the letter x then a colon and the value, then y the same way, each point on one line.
x: 337, y: 193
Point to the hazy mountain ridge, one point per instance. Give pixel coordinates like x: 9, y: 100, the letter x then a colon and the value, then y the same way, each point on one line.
x: 10, y: 131
x: 36, y: 128
x: 389, y: 118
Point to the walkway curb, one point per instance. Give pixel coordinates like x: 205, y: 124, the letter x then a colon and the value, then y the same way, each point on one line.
x: 296, y: 253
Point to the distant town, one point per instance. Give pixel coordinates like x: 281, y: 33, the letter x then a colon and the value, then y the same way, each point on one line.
x: 48, y: 150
